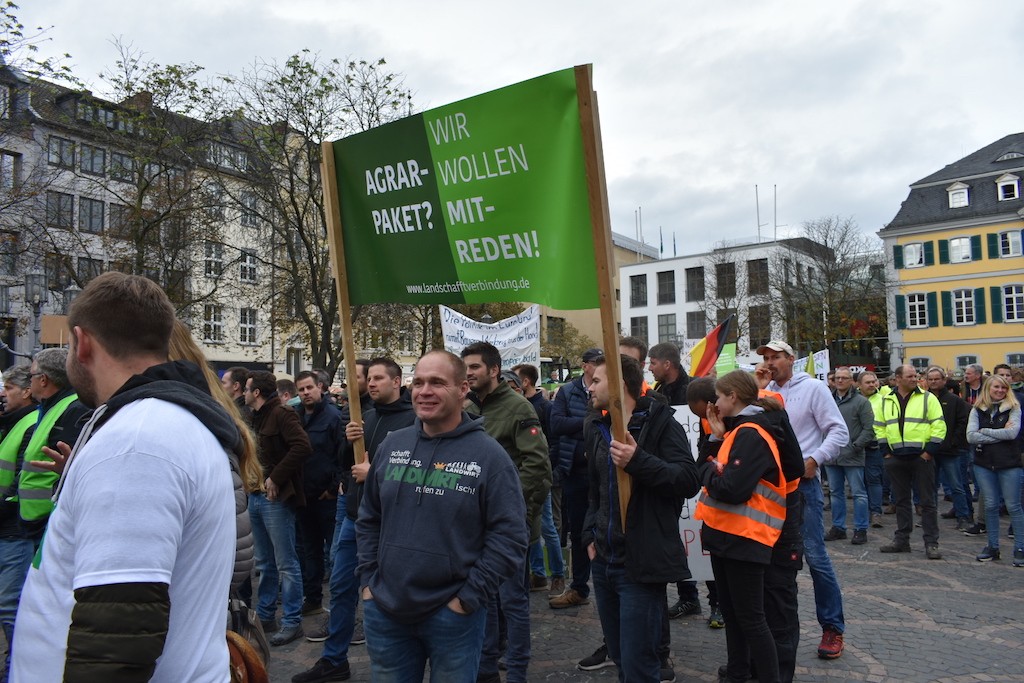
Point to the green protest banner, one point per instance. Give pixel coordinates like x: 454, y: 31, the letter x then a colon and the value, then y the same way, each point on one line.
x: 482, y: 200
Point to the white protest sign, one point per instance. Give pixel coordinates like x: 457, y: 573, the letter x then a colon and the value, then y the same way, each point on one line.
x: 516, y: 338
x: 689, y: 528
x: 822, y: 365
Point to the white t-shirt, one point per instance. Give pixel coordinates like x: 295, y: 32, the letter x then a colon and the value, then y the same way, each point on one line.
x: 148, y: 498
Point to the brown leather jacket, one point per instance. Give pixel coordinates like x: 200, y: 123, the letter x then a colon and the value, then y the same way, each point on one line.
x: 283, y: 446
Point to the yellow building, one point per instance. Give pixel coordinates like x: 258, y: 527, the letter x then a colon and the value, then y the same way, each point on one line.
x: 955, y: 249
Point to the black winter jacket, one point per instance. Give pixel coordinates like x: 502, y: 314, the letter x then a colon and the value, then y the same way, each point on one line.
x: 955, y: 411
x: 664, y: 475
x: 321, y: 472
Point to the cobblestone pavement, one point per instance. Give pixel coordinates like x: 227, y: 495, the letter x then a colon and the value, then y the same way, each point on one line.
x: 953, y: 620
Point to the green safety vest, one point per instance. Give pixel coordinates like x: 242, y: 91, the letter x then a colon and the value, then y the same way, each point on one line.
x: 9, y: 448
x: 35, y: 486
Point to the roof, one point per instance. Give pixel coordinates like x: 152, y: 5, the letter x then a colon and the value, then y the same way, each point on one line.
x: 928, y: 201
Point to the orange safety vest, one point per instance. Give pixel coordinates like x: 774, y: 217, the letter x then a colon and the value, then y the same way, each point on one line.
x: 762, y: 516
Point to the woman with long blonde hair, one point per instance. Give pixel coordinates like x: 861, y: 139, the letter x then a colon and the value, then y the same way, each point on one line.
x: 992, y: 429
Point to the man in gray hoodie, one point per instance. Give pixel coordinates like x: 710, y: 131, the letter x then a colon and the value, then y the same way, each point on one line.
x: 441, y: 524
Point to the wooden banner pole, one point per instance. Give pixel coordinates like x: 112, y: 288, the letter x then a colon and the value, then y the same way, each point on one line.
x: 332, y: 206
x: 601, y: 229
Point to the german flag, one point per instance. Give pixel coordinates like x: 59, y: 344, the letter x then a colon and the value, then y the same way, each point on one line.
x: 705, y: 354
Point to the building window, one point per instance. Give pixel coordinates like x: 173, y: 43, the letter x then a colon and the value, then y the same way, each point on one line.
x: 293, y: 361
x: 963, y: 307
x: 60, y: 209
x: 1007, y: 185
x: 757, y: 276
x: 960, y: 250
x: 961, y: 362
x: 920, y: 363
x: 247, y: 266
x: 667, y: 287
x: 725, y: 280
x: 555, y: 329
x: 958, y: 197
x: 214, y: 259
x: 247, y: 325
x: 759, y: 319
x: 913, y: 255
x: 638, y: 328
x: 10, y: 167
x: 667, y: 328
x: 58, y: 272
x: 1009, y: 243
x: 250, y: 206
x: 175, y: 284
x: 1013, y: 303
x: 90, y: 215
x: 122, y: 167
x: 637, y: 290
x: 696, y: 325
x: 8, y: 253
x: 61, y: 152
x: 917, y: 311
x: 88, y: 268
x: 225, y: 156
x: 93, y: 160
x: 6, y: 97
x: 1015, y: 359
x: 213, y: 323
x: 120, y: 221
x: 5, y: 299
x: 695, y: 284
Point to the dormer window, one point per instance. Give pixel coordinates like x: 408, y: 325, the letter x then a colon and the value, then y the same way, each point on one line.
x: 1010, y: 156
x: 958, y: 197
x: 1008, y: 187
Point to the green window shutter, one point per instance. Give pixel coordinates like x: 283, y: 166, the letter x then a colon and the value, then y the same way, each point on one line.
x: 947, y: 309
x: 979, y: 305
x: 929, y: 253
x: 897, y: 256
x: 976, y: 247
x: 933, y: 309
x: 901, y: 312
x: 943, y: 251
x: 995, y: 295
x: 993, y: 245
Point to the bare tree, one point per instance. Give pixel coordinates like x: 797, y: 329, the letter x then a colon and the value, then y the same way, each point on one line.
x: 281, y: 113
x: 829, y: 285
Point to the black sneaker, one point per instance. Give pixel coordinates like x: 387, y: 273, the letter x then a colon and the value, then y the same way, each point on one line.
x: 358, y: 635
x: 976, y: 529
x: 320, y: 634
x: 286, y: 635
x: 324, y: 671
x: 987, y: 554
x: 683, y: 608
x: 716, y: 620
x: 1018, y: 558
x: 859, y: 537
x: 667, y: 674
x: 835, y: 534
x: 598, y: 660
x: 309, y: 608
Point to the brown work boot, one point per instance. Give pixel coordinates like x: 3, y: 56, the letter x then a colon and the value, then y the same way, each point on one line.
x: 538, y: 583
x: 557, y: 586
x: 570, y: 598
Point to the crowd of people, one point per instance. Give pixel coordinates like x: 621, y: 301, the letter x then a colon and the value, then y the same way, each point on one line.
x: 437, y: 506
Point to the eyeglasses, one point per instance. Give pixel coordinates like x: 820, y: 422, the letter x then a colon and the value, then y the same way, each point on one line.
x: 35, y: 374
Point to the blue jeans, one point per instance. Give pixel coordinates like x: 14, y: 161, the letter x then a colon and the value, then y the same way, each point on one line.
x: 838, y: 475
x: 631, y: 619
x: 873, y: 473
x: 949, y: 467
x: 15, y: 559
x: 828, y: 598
x: 344, y: 589
x: 1006, y: 482
x: 273, y: 533
x: 550, y: 540
x: 399, y: 652
x: 514, y: 599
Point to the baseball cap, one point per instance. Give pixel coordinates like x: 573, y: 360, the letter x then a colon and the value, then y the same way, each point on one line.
x: 590, y: 355
x: 775, y: 345
x: 509, y: 376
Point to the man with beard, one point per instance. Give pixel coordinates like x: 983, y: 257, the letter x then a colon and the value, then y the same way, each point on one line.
x: 512, y: 422
x: 132, y: 581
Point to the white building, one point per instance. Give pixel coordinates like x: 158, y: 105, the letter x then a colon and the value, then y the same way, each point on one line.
x: 680, y: 299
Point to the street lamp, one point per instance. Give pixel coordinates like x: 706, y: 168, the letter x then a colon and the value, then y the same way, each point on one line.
x: 876, y: 353
x: 899, y: 352
x: 70, y: 294
x: 35, y: 295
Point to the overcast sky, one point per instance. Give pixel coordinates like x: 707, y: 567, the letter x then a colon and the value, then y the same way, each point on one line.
x: 841, y: 105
